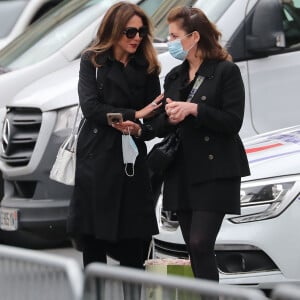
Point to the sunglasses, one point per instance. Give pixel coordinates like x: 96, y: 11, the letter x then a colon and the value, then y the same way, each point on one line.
x: 131, y: 32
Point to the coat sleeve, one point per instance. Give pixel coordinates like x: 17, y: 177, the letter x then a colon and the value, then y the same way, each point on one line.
x: 91, y: 107
x: 160, y: 122
x: 152, y: 91
x: 228, y: 116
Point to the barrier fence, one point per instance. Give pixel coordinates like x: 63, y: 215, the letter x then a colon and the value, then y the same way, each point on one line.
x: 104, y: 282
x: 32, y: 275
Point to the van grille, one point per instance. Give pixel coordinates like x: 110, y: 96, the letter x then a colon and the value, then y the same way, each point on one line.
x: 19, y: 135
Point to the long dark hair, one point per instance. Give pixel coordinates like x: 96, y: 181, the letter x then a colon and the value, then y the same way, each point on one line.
x: 193, y: 19
x: 111, y: 30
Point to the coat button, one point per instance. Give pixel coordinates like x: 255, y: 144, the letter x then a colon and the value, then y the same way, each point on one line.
x: 95, y: 130
x: 203, y: 98
x: 101, y: 86
x: 206, y: 138
x: 210, y: 157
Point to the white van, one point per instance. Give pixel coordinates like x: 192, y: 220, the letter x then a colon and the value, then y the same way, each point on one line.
x: 59, y: 37
x: 41, y: 115
x: 16, y: 16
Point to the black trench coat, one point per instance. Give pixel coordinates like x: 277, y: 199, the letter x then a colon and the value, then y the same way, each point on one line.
x: 210, y: 144
x: 106, y: 203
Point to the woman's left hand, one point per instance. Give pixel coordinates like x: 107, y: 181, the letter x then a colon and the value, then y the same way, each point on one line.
x: 178, y: 110
x: 128, y: 127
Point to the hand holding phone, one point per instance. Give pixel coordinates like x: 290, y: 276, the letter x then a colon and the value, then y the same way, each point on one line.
x: 114, y: 118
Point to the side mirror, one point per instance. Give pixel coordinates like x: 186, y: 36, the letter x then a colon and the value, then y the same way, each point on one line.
x: 267, y: 33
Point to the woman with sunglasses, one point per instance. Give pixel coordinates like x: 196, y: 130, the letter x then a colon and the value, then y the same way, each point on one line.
x: 112, y: 209
x: 205, y: 105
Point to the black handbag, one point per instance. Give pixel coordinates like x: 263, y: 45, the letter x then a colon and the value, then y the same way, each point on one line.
x: 163, y: 153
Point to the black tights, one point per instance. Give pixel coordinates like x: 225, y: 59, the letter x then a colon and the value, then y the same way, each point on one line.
x: 199, y: 230
x: 130, y: 252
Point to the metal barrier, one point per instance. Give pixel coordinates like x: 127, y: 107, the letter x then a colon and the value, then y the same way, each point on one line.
x: 103, y: 282
x: 32, y: 275
x: 286, y: 292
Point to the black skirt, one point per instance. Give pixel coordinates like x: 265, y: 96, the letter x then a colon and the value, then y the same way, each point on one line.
x: 220, y: 194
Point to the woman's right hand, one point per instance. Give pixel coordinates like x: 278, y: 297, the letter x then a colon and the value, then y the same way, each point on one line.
x: 149, y: 110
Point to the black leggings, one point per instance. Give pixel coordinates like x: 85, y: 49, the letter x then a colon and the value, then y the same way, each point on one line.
x: 129, y: 252
x: 199, y: 230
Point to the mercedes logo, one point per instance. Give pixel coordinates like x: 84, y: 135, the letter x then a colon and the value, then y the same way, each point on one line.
x: 6, y: 131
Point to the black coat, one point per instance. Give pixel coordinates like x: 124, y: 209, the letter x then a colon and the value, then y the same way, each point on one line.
x: 106, y: 203
x: 210, y: 144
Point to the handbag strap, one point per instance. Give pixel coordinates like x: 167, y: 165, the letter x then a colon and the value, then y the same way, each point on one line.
x: 197, y: 83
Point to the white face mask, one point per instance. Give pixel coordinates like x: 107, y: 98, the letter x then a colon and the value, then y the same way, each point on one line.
x: 130, y: 152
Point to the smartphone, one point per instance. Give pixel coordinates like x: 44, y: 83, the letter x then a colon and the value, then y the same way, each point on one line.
x: 114, y: 118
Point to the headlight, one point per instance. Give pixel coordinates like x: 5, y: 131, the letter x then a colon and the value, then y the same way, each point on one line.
x: 274, y: 195
x: 66, y: 118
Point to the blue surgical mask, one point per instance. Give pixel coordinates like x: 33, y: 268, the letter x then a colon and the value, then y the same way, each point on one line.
x: 176, y: 50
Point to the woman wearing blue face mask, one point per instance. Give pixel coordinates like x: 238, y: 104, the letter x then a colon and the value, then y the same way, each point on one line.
x: 205, y: 105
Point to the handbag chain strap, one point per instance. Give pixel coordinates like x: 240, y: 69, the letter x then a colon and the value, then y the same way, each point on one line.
x: 197, y: 83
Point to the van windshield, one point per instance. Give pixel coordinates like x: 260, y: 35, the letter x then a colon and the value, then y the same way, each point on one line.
x: 51, y: 32
x: 68, y: 19
x: 57, y: 28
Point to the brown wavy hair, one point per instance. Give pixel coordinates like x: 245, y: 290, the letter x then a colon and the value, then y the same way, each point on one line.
x: 193, y: 19
x: 111, y: 30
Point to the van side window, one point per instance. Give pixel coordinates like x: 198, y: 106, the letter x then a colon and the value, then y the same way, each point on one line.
x: 291, y: 22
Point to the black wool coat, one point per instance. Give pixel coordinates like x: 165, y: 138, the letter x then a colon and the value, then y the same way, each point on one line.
x: 106, y: 203
x: 210, y: 144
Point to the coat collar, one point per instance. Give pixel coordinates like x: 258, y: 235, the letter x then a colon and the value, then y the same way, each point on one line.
x: 207, y: 69
x: 137, y: 59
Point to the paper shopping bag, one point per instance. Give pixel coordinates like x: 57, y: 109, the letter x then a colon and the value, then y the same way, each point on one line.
x: 179, y: 267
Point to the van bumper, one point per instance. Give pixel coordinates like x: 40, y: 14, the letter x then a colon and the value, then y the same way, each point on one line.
x: 42, y: 223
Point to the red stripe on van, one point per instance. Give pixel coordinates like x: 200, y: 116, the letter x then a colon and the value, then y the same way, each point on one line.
x: 251, y: 150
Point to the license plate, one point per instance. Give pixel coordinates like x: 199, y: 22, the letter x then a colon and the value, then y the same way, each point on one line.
x: 8, y: 219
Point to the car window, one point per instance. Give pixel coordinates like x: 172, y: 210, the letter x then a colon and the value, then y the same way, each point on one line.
x: 51, y: 32
x: 150, y: 6
x: 9, y: 14
x: 159, y: 17
x: 66, y: 20
x: 44, y: 9
x: 57, y: 28
x: 291, y: 22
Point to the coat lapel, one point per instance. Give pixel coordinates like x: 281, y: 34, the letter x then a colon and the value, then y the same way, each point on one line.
x: 114, y: 71
x: 116, y: 75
